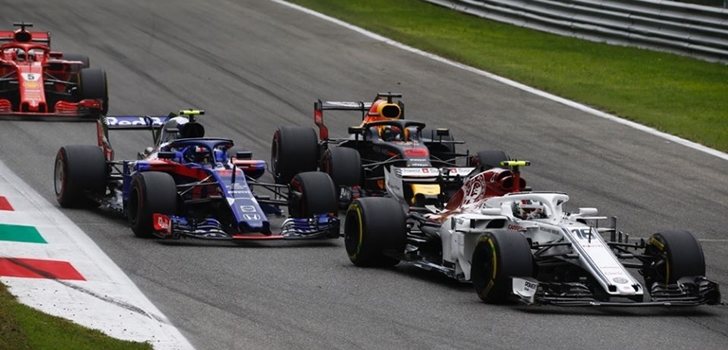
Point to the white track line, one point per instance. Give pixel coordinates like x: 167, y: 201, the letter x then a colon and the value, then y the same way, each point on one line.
x: 515, y: 84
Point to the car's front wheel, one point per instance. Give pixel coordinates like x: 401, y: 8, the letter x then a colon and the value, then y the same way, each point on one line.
x: 151, y: 193
x: 672, y: 255
x: 499, y: 256
x: 375, y: 232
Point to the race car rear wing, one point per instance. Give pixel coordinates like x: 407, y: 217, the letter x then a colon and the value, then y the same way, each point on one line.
x: 320, y: 106
x: 125, y: 122
x: 36, y: 37
x: 22, y: 35
x: 134, y: 122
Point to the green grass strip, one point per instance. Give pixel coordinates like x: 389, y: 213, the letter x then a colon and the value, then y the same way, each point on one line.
x: 19, y: 233
x: 674, y: 94
x: 22, y: 327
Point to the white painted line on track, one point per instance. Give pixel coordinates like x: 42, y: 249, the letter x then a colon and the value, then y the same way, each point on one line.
x: 515, y: 84
x: 107, y: 300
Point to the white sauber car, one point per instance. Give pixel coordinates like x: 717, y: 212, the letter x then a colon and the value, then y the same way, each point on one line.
x: 524, y: 246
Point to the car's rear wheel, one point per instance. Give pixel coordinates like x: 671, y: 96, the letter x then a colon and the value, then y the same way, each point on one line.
x: 343, y: 164
x: 93, y: 86
x: 151, y: 193
x: 673, y: 255
x: 311, y: 193
x: 79, y: 174
x: 499, y: 256
x: 294, y: 150
x: 375, y: 232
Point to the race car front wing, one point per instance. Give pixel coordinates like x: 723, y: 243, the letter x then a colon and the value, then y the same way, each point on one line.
x: 176, y: 227
x: 688, y: 291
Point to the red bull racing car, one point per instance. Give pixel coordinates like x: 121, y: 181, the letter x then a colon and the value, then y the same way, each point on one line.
x: 188, y: 185
x: 384, y: 144
x: 36, y: 82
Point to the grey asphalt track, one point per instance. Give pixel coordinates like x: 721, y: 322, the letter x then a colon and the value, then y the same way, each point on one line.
x: 255, y: 65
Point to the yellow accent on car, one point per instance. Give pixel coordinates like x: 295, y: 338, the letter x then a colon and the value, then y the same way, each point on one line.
x: 657, y: 243
x: 424, y: 189
x: 389, y: 110
x: 494, y: 266
x: 189, y: 112
x: 357, y: 208
x: 511, y: 163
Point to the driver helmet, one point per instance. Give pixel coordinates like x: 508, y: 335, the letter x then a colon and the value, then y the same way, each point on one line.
x: 196, y: 154
x: 390, y: 133
x: 527, y: 209
x: 185, y: 129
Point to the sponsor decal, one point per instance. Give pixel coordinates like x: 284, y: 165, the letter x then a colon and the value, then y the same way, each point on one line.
x: 131, y: 120
x: 251, y: 217
x: 620, y: 280
x: 415, y: 172
x: 162, y: 223
x: 31, y: 85
x: 514, y: 227
x: 247, y: 208
x: 582, y: 233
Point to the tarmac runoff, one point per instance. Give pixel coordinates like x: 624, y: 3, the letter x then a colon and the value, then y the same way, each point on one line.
x: 50, y: 264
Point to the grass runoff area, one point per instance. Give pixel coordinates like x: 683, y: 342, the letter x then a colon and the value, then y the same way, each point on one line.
x: 674, y: 94
x: 22, y: 327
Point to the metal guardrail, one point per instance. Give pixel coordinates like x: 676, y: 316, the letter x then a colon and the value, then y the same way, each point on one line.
x: 687, y: 29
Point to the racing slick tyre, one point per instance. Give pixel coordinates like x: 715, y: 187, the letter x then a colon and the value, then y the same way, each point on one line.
x: 489, y: 159
x: 497, y: 257
x: 294, y: 150
x: 375, y: 232
x: 312, y: 193
x: 79, y: 173
x: 92, y: 85
x: 343, y: 164
x: 673, y: 255
x: 77, y: 57
x: 151, y: 192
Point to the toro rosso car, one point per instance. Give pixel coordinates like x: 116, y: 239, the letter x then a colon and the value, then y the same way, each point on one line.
x: 384, y: 141
x: 36, y: 82
x: 188, y: 185
x: 524, y: 246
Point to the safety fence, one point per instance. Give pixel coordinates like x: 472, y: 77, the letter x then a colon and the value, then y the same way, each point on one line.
x: 694, y: 30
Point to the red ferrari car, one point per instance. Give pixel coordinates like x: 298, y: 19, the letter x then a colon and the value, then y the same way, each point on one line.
x: 36, y: 82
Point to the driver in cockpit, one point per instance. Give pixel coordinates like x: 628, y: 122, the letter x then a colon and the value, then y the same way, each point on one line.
x: 528, y: 210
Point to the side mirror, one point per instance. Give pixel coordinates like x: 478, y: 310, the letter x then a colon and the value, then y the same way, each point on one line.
x: 166, y: 155
x: 490, y: 211
x: 588, y: 211
x: 356, y: 130
x: 244, y: 155
x: 442, y: 131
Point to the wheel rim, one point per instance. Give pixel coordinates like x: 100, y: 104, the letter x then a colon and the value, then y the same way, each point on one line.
x: 59, y: 176
x: 353, y: 232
